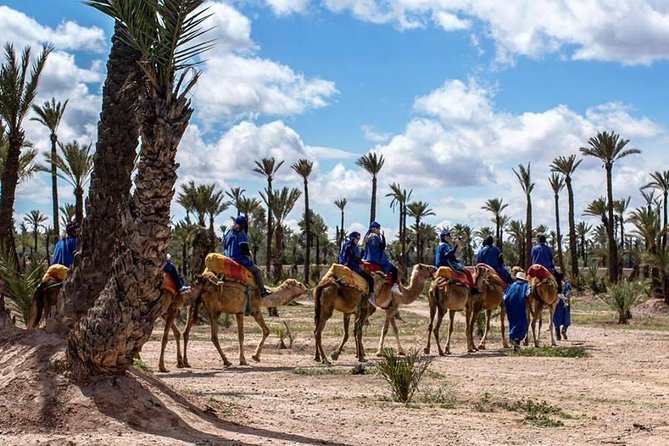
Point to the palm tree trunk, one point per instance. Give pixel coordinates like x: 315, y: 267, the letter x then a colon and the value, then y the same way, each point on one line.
x: 497, y: 231
x: 8, y: 182
x: 559, y: 236
x: 79, y: 204
x: 372, y: 212
x: 341, y: 239
x: 278, y: 251
x: 118, y: 135
x: 54, y: 185
x: 613, y: 254
x: 307, y: 226
x: 573, y: 254
x: 665, y: 227
x: 528, y: 232
x: 108, y: 338
x: 268, y: 251
x: 403, y: 237
x: 35, y: 235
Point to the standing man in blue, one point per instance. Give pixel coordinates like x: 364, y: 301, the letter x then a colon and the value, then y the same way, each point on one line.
x: 445, y: 256
x: 492, y: 256
x: 375, y: 252
x: 236, y: 246
x: 542, y: 255
x: 350, y: 257
x: 562, y: 314
x: 63, y: 253
x: 515, y: 302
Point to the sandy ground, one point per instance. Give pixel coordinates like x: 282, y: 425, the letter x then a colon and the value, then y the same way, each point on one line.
x: 618, y: 394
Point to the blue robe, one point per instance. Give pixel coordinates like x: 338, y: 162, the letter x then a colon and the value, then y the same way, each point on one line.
x: 63, y: 253
x: 491, y: 255
x: 350, y: 256
x: 445, y: 256
x: 515, y: 302
x: 171, y: 269
x: 562, y: 314
x: 375, y: 251
x: 236, y: 246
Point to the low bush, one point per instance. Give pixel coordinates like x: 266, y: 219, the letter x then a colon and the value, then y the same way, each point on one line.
x: 403, y: 373
x: 623, y: 295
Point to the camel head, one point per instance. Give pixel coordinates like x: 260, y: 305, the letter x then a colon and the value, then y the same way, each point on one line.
x: 423, y: 271
x: 285, y: 293
x: 293, y: 286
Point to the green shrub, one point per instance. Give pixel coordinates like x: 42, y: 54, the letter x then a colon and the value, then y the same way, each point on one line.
x: 441, y: 396
x: 20, y: 287
x: 557, y: 352
x: 597, y: 284
x: 138, y: 363
x: 622, y: 296
x: 403, y: 373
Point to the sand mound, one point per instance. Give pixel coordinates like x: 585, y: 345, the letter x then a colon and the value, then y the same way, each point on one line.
x: 652, y: 307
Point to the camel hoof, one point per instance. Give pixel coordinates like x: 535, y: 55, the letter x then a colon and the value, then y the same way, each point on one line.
x: 186, y: 365
x: 243, y: 362
x: 256, y: 358
x: 362, y: 359
x: 401, y: 353
x: 426, y: 350
x: 334, y: 355
x: 180, y: 365
x: 226, y: 363
x: 554, y: 344
x: 163, y: 369
x: 481, y: 347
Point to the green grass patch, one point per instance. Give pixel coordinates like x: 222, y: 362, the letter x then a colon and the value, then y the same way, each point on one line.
x: 442, y: 396
x: 320, y: 371
x: 540, y: 414
x: 138, y: 363
x: 555, y: 352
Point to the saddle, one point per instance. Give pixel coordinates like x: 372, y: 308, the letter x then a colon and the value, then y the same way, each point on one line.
x: 345, y: 276
x: 452, y: 276
x: 539, y: 272
x: 373, y: 267
x: 56, y: 273
x: 495, y: 276
x: 227, y: 270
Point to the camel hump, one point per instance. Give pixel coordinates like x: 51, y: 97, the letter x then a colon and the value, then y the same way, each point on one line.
x: 539, y: 272
x: 347, y: 277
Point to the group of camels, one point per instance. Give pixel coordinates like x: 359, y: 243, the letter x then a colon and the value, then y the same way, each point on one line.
x: 331, y: 294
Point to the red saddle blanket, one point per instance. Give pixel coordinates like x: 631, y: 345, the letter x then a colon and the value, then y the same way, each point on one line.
x: 373, y: 267
x: 227, y: 269
x: 168, y: 284
x: 496, y: 277
x: 452, y: 275
x: 539, y: 272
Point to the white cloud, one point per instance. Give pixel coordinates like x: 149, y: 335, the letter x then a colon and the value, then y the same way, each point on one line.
x: 287, y: 7
x: 22, y: 30
x: 373, y: 136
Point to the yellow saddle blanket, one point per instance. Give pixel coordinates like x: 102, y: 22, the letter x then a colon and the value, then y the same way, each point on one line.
x: 228, y: 270
x: 55, y: 273
x: 348, y: 277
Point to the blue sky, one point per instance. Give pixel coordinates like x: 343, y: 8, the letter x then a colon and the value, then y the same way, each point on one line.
x: 453, y: 93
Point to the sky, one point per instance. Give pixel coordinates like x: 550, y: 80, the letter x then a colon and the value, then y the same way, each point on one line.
x: 453, y: 93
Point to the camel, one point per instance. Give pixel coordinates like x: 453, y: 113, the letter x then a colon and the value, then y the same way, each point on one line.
x: 330, y: 295
x: 490, y: 298
x: 544, y: 292
x: 44, y: 298
x: 445, y: 296
x: 406, y: 296
x: 172, y: 302
x: 231, y: 298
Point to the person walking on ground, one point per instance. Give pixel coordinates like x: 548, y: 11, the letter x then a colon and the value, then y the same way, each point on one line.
x: 515, y: 302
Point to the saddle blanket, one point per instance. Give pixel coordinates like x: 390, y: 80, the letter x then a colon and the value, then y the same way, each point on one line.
x: 373, y: 267
x: 228, y: 270
x: 496, y: 277
x: 348, y: 277
x: 448, y: 273
x: 168, y: 284
x: 539, y: 272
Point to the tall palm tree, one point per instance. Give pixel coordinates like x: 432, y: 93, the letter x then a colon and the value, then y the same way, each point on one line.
x: 525, y: 179
x: 608, y: 148
x: 557, y: 184
x: 167, y: 34
x: 36, y: 219
x: 496, y: 206
x: 187, y: 198
x: 18, y: 89
x: 419, y: 210
x: 620, y: 207
x: 67, y: 214
x: 236, y: 194
x: 566, y: 166
x: 27, y: 165
x: 400, y: 199
x: 516, y: 232
x: 504, y: 220
x: 341, y: 204
x: 49, y: 115
x: 582, y: 230
x: 111, y: 180
x: 216, y: 206
x: 283, y: 203
x: 303, y: 168
x: 75, y: 166
x: 248, y: 206
x: 660, y: 182
x: 372, y: 163
x: 268, y: 167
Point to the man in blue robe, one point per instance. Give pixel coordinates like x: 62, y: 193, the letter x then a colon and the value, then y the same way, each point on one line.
x: 542, y: 255
x: 63, y: 253
x: 492, y: 256
x: 350, y: 257
x: 375, y: 252
x: 171, y: 269
x: 445, y: 256
x: 562, y: 314
x: 236, y: 246
x: 515, y: 302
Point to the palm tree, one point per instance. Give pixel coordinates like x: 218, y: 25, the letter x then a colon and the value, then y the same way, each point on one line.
x: 527, y: 185
x: 283, y: 203
x: 303, y: 168
x: 620, y: 207
x: 660, y: 182
x: 419, y: 210
x: 400, y: 198
x: 268, y: 167
x: 566, y: 166
x: 236, y: 194
x: 18, y: 89
x: 557, y: 184
x: 187, y: 198
x: 372, y: 163
x: 216, y: 206
x: 35, y: 219
x: 582, y: 231
x: 341, y: 204
x: 608, y: 148
x: 248, y: 206
x: 75, y: 166
x: 67, y: 214
x: 496, y: 206
x: 111, y: 180
x: 49, y: 115
x: 27, y: 165
x: 167, y: 34
x: 517, y: 234
x: 503, y: 222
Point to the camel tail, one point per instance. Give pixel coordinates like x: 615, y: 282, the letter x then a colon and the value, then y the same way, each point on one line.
x: 36, y: 309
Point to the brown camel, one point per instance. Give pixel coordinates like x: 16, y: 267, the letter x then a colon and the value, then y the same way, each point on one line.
x: 544, y: 293
x: 44, y: 298
x: 330, y: 295
x: 231, y: 298
x: 445, y: 296
x: 490, y: 298
x: 406, y: 296
x: 172, y: 302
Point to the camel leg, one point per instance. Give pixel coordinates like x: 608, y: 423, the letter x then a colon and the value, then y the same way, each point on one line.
x: 359, y: 349
x: 433, y: 310
x: 474, y: 311
x: 177, y: 338
x: 535, y: 317
x: 451, y: 317
x: 502, y: 316
x: 325, y: 314
x: 257, y: 315
x: 213, y: 321
x: 400, y: 350
x: 488, y: 315
x: 240, y: 337
x: 437, y: 326
x: 347, y: 322
x: 169, y: 320
x: 190, y: 321
x: 551, y: 312
x: 384, y: 332
x: 528, y: 311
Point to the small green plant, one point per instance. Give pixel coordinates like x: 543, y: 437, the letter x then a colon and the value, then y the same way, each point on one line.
x: 557, y: 352
x: 597, y: 284
x: 485, y: 403
x: 283, y: 332
x: 403, y: 374
x: 138, y: 363
x: 441, y: 396
x: 20, y: 287
x: 320, y: 371
x: 536, y: 413
x: 622, y: 296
